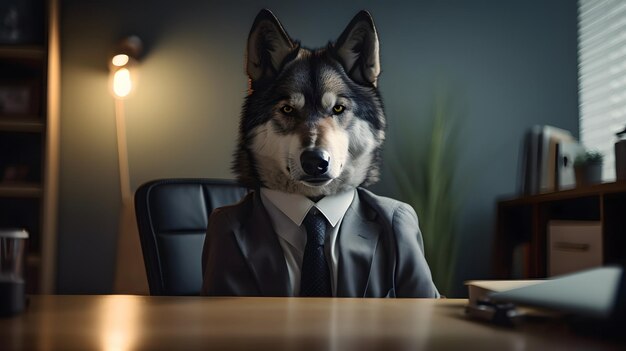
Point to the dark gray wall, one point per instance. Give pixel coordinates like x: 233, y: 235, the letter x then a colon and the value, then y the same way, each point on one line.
x: 510, y: 64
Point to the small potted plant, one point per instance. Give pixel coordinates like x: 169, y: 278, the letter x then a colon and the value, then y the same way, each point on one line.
x: 588, y: 168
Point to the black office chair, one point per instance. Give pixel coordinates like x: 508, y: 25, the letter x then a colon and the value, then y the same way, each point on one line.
x: 172, y: 216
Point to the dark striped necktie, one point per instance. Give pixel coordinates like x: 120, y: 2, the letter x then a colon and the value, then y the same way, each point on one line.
x: 315, y: 278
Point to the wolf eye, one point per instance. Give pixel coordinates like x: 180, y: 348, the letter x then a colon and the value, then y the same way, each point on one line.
x: 286, y: 109
x: 338, y: 109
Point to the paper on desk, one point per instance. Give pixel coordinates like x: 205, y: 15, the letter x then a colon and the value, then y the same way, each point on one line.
x: 478, y: 289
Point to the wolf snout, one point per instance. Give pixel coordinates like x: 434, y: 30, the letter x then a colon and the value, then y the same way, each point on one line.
x: 315, y: 162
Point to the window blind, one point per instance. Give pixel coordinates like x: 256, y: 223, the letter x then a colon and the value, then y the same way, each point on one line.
x: 602, y: 76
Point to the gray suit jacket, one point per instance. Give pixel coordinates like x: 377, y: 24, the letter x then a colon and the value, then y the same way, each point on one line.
x: 381, y: 252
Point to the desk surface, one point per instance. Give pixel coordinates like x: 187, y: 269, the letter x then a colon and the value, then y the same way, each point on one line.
x: 120, y: 322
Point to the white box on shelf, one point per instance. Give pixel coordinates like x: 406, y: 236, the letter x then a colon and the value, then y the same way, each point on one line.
x: 574, y: 246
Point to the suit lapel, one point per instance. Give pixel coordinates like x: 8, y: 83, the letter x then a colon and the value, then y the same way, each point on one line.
x: 259, y: 245
x: 358, y: 238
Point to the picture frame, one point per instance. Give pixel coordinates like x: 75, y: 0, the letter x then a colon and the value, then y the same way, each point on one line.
x: 19, y: 98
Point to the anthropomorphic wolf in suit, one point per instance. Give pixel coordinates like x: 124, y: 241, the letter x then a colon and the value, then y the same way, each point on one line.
x: 310, y: 136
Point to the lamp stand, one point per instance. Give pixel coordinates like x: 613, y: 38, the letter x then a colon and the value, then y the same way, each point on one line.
x: 130, y: 273
x: 122, y: 150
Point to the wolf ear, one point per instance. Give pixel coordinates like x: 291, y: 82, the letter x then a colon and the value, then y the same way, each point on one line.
x: 357, y: 48
x: 268, y: 46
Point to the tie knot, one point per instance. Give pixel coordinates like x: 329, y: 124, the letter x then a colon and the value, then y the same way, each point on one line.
x: 315, y: 225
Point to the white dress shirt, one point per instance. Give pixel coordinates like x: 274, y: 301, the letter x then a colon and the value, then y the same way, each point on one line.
x: 287, y: 211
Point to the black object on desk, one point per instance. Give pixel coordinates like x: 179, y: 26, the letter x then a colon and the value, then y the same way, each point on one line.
x: 12, y: 290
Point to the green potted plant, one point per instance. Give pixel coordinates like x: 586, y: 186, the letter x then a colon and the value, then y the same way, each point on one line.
x: 588, y: 168
x: 424, y: 169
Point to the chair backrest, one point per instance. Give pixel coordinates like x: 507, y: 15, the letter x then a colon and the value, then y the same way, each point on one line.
x: 172, y: 217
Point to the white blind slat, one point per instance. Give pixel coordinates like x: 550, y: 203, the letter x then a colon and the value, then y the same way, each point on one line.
x: 602, y: 76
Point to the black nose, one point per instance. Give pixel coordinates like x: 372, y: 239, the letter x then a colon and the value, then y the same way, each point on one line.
x: 315, y: 162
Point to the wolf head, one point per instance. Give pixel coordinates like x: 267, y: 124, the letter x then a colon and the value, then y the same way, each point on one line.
x: 313, y: 121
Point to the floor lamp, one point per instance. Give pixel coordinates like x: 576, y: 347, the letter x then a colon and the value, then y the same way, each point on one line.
x: 130, y: 275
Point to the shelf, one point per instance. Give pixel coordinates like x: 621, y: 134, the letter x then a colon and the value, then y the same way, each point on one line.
x: 23, y: 190
x: 591, y: 190
x: 522, y: 227
x: 28, y: 152
x: 21, y: 124
x: 22, y: 52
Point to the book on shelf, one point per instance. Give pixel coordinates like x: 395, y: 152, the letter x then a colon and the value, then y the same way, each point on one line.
x: 546, y: 163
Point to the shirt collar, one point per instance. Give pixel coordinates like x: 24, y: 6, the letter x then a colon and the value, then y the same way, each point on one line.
x: 296, y: 206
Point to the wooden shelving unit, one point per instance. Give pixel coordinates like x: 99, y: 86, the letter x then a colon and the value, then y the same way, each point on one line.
x: 29, y: 119
x: 522, y: 225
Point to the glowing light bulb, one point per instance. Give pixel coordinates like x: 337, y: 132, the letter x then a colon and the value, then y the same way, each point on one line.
x: 122, y: 84
x: 120, y: 60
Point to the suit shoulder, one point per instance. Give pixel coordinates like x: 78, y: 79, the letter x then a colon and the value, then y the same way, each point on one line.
x: 384, y: 205
x: 241, y: 209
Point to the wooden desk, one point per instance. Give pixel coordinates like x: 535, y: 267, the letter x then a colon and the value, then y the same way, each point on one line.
x: 119, y: 322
